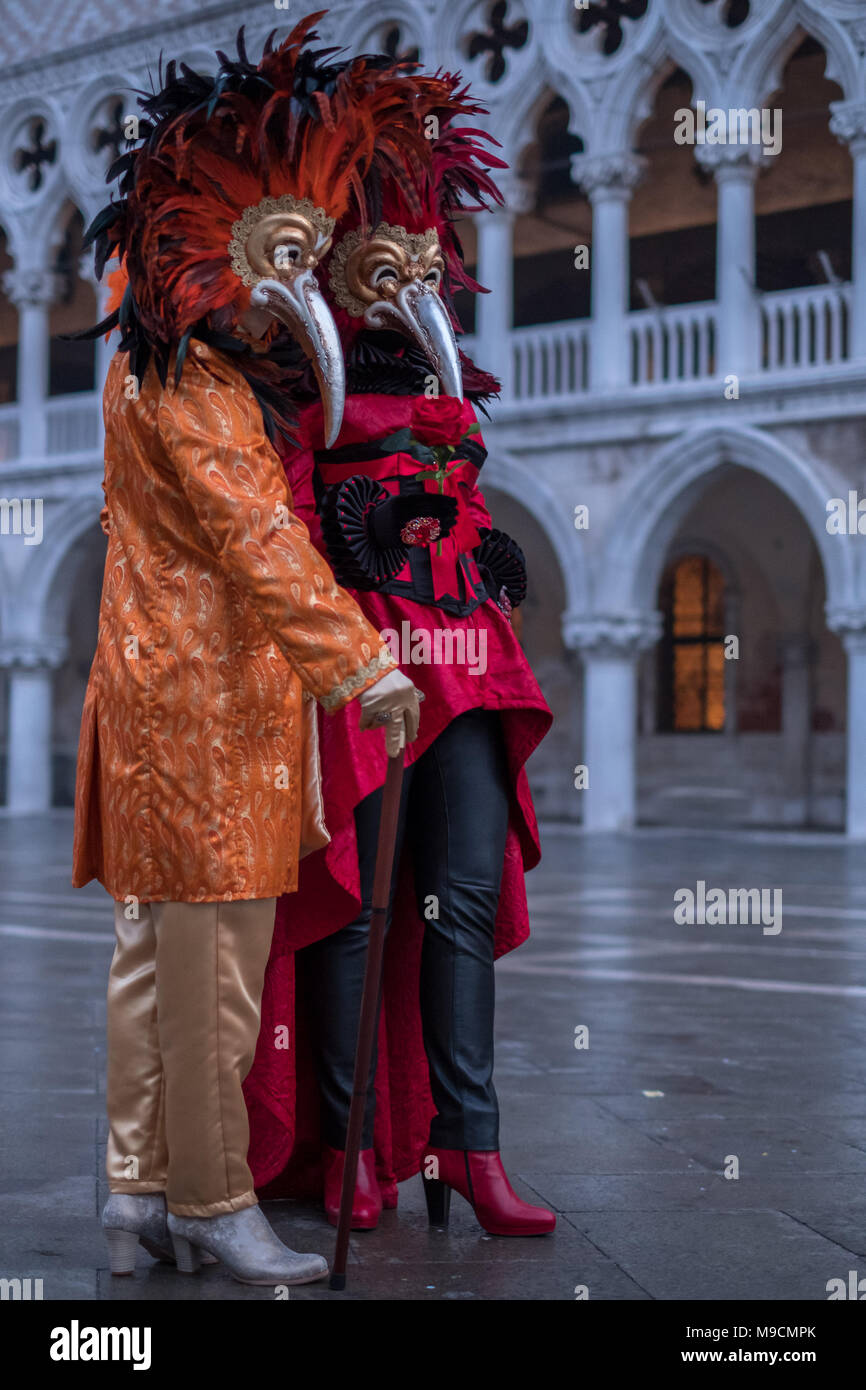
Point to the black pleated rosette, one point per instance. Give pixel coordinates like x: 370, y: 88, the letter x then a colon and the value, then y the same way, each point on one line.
x: 503, y: 560
x: 357, y: 562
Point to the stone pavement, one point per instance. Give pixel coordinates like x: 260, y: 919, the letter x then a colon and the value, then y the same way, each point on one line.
x: 706, y: 1044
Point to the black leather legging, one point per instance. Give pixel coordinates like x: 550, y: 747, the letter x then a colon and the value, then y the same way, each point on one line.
x: 454, y: 818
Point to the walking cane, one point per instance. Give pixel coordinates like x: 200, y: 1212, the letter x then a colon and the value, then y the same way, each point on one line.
x: 369, y: 1009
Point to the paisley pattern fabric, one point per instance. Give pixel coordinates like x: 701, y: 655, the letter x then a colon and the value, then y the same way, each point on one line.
x: 217, y: 615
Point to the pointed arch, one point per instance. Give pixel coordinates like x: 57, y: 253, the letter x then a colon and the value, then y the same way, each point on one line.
x: 761, y: 64
x: 635, y: 550
x: 39, y: 598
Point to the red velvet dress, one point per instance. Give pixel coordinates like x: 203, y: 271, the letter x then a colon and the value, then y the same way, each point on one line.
x: 281, y: 1090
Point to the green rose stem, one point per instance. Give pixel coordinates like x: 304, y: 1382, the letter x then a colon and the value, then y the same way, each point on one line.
x: 441, y: 454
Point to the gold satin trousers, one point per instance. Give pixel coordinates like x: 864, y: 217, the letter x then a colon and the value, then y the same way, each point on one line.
x: 184, y: 1004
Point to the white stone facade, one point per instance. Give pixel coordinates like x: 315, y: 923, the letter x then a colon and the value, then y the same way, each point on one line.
x: 628, y: 412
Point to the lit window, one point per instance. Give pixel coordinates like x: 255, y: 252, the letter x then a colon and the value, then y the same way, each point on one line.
x: 691, y: 652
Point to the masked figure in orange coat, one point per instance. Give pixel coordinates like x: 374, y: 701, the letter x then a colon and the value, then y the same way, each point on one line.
x: 220, y: 625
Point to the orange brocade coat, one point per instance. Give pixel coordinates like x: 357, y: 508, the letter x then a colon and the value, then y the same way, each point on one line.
x: 218, y: 618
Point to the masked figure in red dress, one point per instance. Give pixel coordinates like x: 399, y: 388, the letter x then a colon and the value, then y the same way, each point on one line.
x: 395, y: 506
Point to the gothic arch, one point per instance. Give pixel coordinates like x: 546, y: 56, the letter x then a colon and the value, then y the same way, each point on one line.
x: 635, y: 550
x: 364, y: 21
x: 630, y: 99
x: 44, y: 580
x: 36, y: 231
x: 515, y: 127
x: 761, y: 64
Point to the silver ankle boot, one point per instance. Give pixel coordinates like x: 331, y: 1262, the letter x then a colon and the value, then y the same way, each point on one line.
x: 130, y: 1217
x: 246, y: 1245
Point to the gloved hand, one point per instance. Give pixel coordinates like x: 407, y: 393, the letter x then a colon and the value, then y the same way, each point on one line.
x: 392, y: 703
x: 386, y: 520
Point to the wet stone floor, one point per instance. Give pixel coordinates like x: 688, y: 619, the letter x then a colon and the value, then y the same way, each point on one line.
x: 711, y: 1049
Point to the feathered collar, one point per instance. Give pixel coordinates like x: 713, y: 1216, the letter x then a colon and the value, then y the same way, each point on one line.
x: 381, y: 363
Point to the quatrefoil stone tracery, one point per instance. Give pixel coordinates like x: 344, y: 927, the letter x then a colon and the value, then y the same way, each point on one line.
x: 107, y: 135
x: 606, y: 21
x: 394, y: 44
x: 32, y: 152
x: 493, y: 42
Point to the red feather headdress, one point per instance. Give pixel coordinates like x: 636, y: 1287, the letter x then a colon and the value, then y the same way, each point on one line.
x: 451, y: 179
x: 297, y: 125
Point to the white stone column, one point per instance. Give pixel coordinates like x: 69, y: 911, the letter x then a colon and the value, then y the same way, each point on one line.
x: 738, y: 337
x: 610, y: 648
x: 609, y: 181
x: 32, y: 291
x: 848, y: 122
x: 851, y: 627
x: 30, y: 718
x: 796, y: 658
x: 495, y: 311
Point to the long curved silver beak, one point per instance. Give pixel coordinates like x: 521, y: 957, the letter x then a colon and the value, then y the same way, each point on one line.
x: 300, y: 305
x: 416, y: 309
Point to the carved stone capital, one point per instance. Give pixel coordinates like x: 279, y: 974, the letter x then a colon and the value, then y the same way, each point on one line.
x: 730, y: 161
x: 39, y: 654
x: 848, y: 122
x: 31, y: 287
x: 850, y: 625
x: 611, y: 634
x: 615, y: 174
x: 518, y: 193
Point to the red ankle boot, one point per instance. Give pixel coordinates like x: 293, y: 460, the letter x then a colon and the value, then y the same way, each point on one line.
x: 367, y: 1207
x: 482, y: 1180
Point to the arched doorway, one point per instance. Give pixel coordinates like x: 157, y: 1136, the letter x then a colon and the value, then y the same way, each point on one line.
x: 746, y: 496
x: 742, y: 701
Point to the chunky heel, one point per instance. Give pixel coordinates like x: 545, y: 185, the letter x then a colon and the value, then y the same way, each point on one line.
x: 478, y: 1175
x: 186, y: 1255
x: 438, y: 1195
x: 248, y: 1248
x: 122, y: 1246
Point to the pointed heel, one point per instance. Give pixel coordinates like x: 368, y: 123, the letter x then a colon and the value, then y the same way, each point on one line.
x: 438, y: 1195
x: 186, y: 1255
x: 122, y: 1246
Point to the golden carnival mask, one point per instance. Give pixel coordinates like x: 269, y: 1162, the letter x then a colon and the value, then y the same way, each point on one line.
x: 274, y: 249
x: 391, y: 279
x: 277, y: 238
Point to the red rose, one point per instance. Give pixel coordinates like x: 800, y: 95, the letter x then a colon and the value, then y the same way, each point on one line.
x: 438, y: 420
